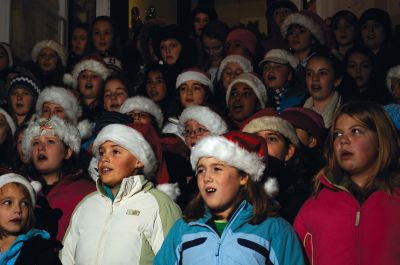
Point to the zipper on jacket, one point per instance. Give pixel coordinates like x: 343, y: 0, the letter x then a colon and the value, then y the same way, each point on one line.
x: 358, y: 246
x: 358, y: 218
x: 217, y: 250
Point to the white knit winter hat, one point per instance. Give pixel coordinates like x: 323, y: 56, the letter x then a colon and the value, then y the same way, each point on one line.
x: 393, y: 73
x: 194, y: 74
x: 269, y: 119
x: 62, y: 97
x: 140, y: 103
x: 33, y: 187
x: 244, y: 63
x: 131, y: 140
x: 87, y: 64
x: 9, y: 120
x: 305, y: 21
x: 204, y: 116
x: 55, y: 126
x: 280, y: 56
x: 252, y: 81
x: 241, y: 150
x: 52, y: 44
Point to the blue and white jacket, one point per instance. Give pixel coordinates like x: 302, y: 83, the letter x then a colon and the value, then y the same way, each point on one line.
x: 271, y: 242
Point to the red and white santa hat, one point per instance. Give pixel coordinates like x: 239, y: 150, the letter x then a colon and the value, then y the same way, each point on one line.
x: 269, y: 119
x: 247, y: 152
x: 93, y: 65
x: 204, y: 116
x: 140, y: 103
x: 52, y: 44
x: 244, y: 63
x: 253, y: 82
x: 33, y: 187
x: 194, y: 74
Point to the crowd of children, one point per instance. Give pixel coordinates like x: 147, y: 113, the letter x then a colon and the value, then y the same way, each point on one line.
x: 214, y: 145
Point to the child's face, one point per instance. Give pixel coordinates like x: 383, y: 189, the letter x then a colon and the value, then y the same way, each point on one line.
x: 277, y: 146
x: 192, y: 93
x: 4, y: 128
x: 14, y: 209
x: 242, y: 102
x: 219, y: 185
x: 214, y: 48
x: 344, y: 32
x: 21, y: 101
x: 280, y: 14
x: 79, y: 41
x: 4, y: 61
x: 194, y: 131
x: 21, y: 155
x: 373, y: 34
x: 102, y: 36
x: 276, y: 75
x: 236, y: 47
x: 170, y: 51
x: 115, y: 94
x: 395, y: 90
x: 320, y: 78
x: 89, y: 84
x: 355, y: 147
x: 140, y: 117
x: 48, y: 154
x: 230, y: 72
x: 47, y: 59
x: 200, y: 21
x: 299, y: 38
x: 116, y: 163
x: 155, y: 87
x: 359, y: 67
x: 50, y: 109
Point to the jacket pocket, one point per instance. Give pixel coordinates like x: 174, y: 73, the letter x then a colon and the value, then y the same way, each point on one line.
x: 190, y: 244
x: 255, y: 247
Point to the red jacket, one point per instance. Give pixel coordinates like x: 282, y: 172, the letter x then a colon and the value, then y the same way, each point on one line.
x: 65, y: 195
x: 335, y: 229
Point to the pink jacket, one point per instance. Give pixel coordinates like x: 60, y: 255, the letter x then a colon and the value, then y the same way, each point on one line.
x: 335, y: 229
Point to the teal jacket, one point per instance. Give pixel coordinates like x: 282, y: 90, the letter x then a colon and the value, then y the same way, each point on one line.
x: 271, y: 242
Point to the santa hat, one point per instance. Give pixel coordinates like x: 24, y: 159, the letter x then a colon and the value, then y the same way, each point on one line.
x: 140, y: 103
x: 131, y: 140
x: 194, y: 74
x: 269, y: 119
x: 244, y: 63
x: 8, y: 50
x: 306, y: 21
x: 393, y: 73
x: 306, y: 119
x: 245, y: 36
x: 9, y: 120
x: 55, y: 126
x: 62, y: 97
x: 252, y: 81
x: 280, y: 56
x: 246, y: 152
x: 86, y: 64
x: 33, y: 187
x: 204, y: 116
x: 52, y: 44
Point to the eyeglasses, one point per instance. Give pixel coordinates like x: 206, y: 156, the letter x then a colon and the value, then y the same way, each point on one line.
x: 138, y: 115
x: 196, y: 132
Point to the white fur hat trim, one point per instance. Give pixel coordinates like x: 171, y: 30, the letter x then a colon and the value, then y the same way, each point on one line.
x: 90, y: 65
x: 140, y: 103
x: 204, y: 116
x: 131, y: 140
x: 54, y: 45
x: 271, y: 187
x: 193, y: 76
x: 65, y: 131
x: 33, y: 187
x: 280, y: 56
x: 244, y: 63
x: 393, y: 73
x: 9, y: 120
x: 62, y: 97
x: 252, y: 81
x: 229, y: 152
x: 171, y: 189
x: 274, y: 124
x: 302, y: 20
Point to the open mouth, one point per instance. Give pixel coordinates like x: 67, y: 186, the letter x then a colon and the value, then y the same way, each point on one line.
x: 237, y: 107
x: 345, y: 155
x: 89, y: 86
x: 210, y: 190
x: 16, y: 221
x: 271, y: 78
x: 42, y: 157
x: 105, y: 170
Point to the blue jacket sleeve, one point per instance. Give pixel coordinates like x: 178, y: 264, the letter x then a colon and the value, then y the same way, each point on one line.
x: 169, y: 252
